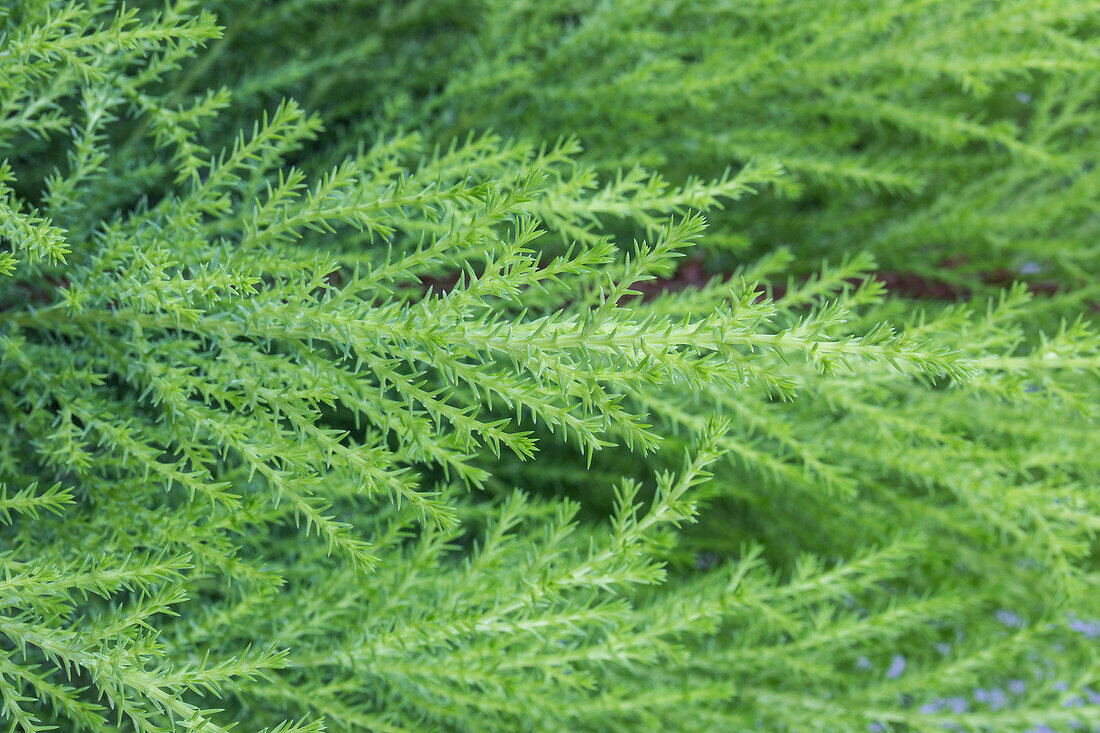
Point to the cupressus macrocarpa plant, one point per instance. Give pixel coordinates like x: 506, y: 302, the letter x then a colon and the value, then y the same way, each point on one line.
x: 324, y: 407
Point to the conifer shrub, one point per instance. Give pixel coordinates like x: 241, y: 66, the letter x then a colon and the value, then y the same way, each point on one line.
x: 325, y: 407
x: 922, y: 132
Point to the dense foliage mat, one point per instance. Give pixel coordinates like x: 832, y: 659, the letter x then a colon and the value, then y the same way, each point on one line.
x: 349, y: 380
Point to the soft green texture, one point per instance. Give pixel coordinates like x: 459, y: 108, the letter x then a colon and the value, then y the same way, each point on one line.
x: 345, y: 413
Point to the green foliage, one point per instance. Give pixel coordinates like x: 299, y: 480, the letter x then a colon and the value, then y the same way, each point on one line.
x: 920, y: 130
x: 346, y: 414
